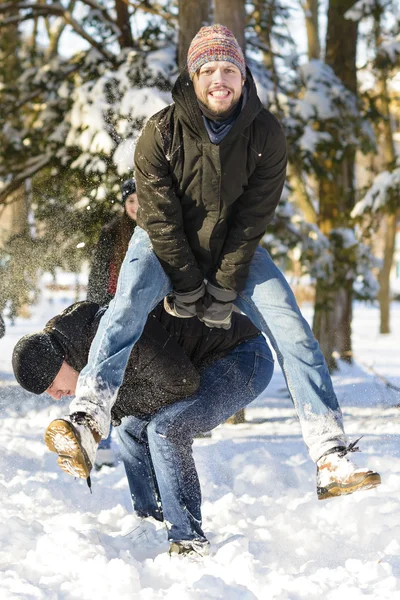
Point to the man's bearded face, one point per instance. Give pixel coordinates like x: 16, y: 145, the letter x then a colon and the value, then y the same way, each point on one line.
x: 218, y: 85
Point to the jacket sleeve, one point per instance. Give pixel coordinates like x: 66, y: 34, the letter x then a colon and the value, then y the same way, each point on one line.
x: 254, y: 210
x: 100, y: 270
x: 160, y: 211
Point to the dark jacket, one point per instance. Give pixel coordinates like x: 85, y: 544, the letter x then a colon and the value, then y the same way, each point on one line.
x: 164, y: 364
x: 206, y: 206
x: 106, y: 262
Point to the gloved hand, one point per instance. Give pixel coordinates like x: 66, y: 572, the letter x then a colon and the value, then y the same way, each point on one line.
x: 217, y: 307
x: 184, y: 305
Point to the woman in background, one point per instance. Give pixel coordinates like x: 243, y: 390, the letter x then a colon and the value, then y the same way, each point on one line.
x: 111, y: 248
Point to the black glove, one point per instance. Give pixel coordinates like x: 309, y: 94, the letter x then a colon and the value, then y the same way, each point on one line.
x: 217, y: 307
x: 184, y: 305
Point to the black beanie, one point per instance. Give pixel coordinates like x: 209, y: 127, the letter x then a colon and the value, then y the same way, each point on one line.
x: 127, y: 188
x: 36, y: 361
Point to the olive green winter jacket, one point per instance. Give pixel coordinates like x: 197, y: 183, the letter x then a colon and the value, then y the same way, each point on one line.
x: 206, y: 206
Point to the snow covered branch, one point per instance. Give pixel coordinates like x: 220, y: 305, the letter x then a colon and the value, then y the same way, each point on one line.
x: 379, y: 194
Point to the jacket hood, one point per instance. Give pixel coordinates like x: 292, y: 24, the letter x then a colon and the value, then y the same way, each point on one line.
x: 190, y: 115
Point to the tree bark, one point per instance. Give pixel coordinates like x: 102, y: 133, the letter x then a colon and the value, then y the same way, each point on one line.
x: 231, y: 13
x: 389, y: 155
x: 8, y: 50
x: 312, y: 28
x: 341, y: 43
x: 301, y: 195
x: 384, y: 274
x: 125, y: 39
x: 333, y: 305
x: 324, y: 322
x: 193, y: 14
x: 390, y: 219
x: 264, y: 20
x: 11, y: 69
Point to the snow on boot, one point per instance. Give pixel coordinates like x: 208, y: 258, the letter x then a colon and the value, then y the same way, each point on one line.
x: 338, y: 475
x: 104, y: 458
x: 75, y: 443
x: 190, y: 548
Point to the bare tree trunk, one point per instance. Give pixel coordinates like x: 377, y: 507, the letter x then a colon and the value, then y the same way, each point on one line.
x: 125, y: 39
x: 193, y: 14
x: 324, y: 322
x: 301, y: 195
x: 9, y: 72
x: 312, y: 28
x: 264, y: 20
x: 388, y: 142
x: 384, y: 273
x: 341, y: 43
x: 337, y: 195
x: 391, y: 220
x: 8, y: 49
x: 344, y: 299
x: 231, y: 13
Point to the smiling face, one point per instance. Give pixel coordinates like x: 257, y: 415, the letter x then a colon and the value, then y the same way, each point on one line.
x: 131, y: 206
x: 65, y: 382
x: 218, y: 85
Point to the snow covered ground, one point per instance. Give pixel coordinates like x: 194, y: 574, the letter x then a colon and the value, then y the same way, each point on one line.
x: 270, y: 536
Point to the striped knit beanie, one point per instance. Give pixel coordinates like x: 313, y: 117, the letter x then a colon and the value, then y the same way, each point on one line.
x: 214, y: 43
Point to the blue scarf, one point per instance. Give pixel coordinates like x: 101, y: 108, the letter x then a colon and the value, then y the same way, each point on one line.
x: 218, y: 129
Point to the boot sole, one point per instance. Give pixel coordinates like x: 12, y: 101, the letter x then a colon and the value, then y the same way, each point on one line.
x: 369, y: 481
x: 62, y: 438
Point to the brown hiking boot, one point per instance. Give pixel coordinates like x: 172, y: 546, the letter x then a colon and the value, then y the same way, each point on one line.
x: 338, y: 475
x: 75, y: 443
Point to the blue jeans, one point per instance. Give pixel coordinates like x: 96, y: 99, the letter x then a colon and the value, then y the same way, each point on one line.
x: 157, y: 451
x: 267, y: 300
x: 105, y: 443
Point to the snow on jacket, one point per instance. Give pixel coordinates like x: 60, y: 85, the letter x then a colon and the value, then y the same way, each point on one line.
x: 206, y: 206
x: 164, y: 364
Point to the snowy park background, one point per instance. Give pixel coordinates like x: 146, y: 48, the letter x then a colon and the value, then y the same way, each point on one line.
x: 271, y: 537
x: 78, y: 79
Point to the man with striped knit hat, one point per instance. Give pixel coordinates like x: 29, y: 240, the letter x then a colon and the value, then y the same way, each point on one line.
x: 210, y: 169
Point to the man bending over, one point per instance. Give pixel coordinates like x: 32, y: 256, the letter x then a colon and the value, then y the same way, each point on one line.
x: 182, y: 379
